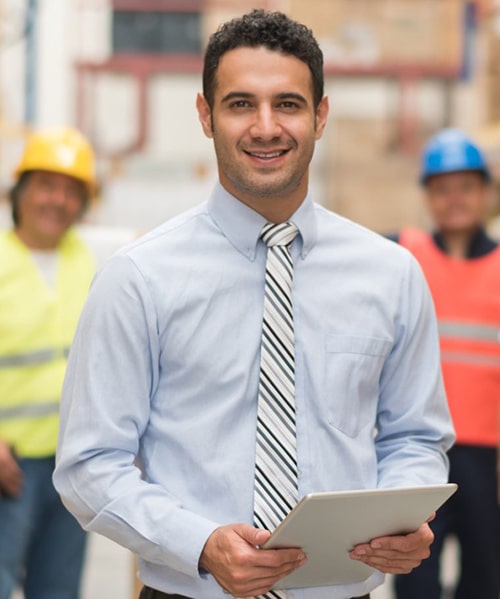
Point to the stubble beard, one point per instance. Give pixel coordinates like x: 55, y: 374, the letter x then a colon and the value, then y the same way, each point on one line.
x: 268, y: 184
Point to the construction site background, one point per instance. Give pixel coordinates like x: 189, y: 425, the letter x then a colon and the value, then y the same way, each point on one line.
x: 396, y: 71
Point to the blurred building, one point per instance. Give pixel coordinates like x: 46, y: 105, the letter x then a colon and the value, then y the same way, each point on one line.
x: 127, y: 72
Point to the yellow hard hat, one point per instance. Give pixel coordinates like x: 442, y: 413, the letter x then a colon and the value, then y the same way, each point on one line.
x: 63, y: 150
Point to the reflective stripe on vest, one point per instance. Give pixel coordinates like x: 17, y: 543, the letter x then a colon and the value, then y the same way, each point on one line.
x: 33, y: 358
x: 470, y: 358
x: 47, y: 408
x: 464, y: 330
x: 470, y: 332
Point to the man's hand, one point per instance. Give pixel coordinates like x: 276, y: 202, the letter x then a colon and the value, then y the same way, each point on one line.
x: 396, y: 554
x: 11, y: 476
x: 233, y: 557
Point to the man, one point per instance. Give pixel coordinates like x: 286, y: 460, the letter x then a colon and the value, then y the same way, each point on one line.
x: 45, y: 272
x: 175, y: 368
x: 462, y: 266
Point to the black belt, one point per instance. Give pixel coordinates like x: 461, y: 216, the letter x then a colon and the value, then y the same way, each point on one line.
x: 148, y: 593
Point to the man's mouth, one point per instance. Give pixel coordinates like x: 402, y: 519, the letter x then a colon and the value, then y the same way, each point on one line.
x: 54, y: 215
x: 266, y: 155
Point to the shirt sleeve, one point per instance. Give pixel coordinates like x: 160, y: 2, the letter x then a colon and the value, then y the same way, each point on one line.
x: 414, y: 428
x: 111, y: 375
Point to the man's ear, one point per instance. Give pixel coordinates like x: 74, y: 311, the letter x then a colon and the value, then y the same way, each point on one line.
x: 321, y: 116
x: 204, y: 114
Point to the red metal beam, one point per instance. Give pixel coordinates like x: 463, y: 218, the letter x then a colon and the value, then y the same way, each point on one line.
x: 395, y: 70
x: 146, y: 63
x: 142, y: 66
x: 159, y: 5
x: 407, y: 120
x: 193, y: 63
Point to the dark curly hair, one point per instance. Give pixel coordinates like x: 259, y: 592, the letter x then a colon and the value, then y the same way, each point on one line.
x: 274, y: 30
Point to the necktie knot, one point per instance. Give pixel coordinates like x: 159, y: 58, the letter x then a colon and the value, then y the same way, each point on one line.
x: 278, y: 234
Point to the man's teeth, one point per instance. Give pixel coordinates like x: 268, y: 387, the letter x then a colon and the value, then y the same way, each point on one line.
x: 267, y: 155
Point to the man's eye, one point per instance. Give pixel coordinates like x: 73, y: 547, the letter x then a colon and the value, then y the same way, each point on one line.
x: 468, y: 187
x: 240, y: 104
x: 288, y: 105
x: 46, y: 185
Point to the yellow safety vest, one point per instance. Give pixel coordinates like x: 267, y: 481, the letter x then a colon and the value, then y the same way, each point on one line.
x: 37, y: 325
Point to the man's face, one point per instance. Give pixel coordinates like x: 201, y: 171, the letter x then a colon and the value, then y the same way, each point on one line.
x: 458, y: 202
x: 264, y: 127
x: 48, y: 205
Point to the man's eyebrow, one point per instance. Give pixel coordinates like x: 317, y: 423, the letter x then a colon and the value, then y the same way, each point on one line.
x: 236, y: 95
x: 292, y: 96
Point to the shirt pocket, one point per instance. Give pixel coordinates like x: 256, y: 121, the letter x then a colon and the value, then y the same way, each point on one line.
x: 353, y: 368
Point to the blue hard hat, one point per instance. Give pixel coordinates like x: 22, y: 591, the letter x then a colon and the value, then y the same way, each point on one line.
x: 450, y: 151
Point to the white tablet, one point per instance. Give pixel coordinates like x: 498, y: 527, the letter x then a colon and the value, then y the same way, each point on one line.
x: 328, y: 525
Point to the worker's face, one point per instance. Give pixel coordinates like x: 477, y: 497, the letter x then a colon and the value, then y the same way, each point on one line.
x: 49, y: 203
x: 458, y: 202
x: 264, y: 128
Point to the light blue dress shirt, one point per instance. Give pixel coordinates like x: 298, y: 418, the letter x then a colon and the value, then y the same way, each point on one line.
x: 164, y: 372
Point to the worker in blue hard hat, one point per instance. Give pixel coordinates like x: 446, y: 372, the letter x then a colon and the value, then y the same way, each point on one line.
x: 462, y: 267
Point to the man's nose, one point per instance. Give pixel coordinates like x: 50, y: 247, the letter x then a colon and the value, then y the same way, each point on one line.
x: 266, y: 124
x: 60, y: 196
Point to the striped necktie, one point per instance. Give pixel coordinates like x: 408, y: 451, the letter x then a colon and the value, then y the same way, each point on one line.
x: 276, y: 491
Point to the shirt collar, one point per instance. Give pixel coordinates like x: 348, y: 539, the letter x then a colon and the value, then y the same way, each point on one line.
x: 242, y: 225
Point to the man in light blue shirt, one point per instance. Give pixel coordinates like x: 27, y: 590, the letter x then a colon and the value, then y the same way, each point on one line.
x: 164, y: 369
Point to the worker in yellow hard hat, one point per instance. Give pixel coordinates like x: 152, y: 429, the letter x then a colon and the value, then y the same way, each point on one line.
x: 45, y: 271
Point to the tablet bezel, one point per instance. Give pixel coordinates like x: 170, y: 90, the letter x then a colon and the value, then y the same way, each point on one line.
x: 327, y: 526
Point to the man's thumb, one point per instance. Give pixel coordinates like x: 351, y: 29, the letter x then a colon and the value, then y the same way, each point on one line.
x: 254, y: 536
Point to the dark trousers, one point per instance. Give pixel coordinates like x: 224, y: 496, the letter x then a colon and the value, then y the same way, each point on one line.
x: 473, y: 516
x: 148, y: 593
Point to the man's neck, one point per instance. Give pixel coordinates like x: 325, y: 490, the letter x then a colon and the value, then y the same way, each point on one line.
x: 458, y: 243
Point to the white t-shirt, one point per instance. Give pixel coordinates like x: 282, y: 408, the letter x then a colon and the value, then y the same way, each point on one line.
x: 46, y: 263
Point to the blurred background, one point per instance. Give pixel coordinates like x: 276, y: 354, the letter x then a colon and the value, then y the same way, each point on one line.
x: 126, y: 72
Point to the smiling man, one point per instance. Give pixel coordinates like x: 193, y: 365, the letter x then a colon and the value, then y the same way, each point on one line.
x: 250, y: 351
x: 45, y: 272
x: 264, y: 124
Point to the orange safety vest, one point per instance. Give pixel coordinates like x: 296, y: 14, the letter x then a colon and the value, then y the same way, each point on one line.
x: 466, y: 295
